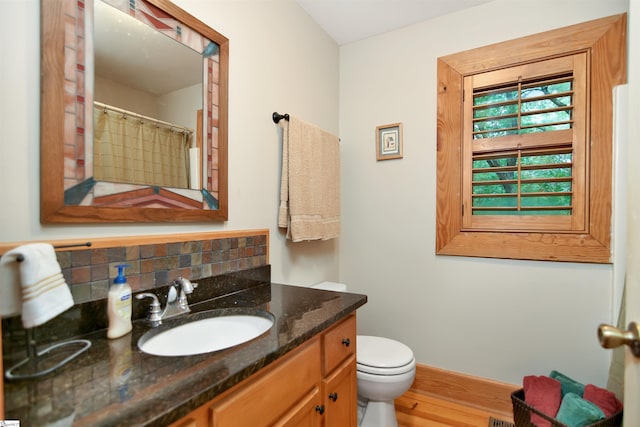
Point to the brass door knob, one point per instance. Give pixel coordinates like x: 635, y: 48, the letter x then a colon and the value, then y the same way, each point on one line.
x: 612, y: 337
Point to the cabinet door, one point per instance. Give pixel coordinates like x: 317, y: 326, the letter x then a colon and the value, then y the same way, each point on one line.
x: 338, y: 343
x: 307, y: 413
x: 188, y: 422
x: 340, y: 395
x: 197, y: 418
x: 271, y: 393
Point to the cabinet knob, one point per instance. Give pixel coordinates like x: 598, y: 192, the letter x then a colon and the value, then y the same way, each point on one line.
x: 320, y: 409
x: 333, y: 396
x: 346, y: 342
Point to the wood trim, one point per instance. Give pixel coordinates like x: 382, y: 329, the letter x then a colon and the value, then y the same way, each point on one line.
x: 108, y: 242
x: 531, y: 48
x: 52, y: 107
x: 199, y: 131
x: 489, y: 395
x: 608, y: 71
x: 223, y: 128
x: 449, y: 156
x: 181, y: 15
x: 605, y: 40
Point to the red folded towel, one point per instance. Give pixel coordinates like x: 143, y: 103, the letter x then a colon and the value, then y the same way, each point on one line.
x: 544, y: 394
x: 603, y: 399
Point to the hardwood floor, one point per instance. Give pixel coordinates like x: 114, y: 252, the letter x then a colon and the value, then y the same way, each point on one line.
x: 415, y: 409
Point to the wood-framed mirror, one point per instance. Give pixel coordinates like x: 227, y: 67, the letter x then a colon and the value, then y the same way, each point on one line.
x: 101, y: 129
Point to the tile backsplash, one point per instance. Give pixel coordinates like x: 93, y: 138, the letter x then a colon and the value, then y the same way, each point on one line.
x: 89, y: 272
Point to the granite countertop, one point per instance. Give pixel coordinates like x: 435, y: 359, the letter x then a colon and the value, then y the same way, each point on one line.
x: 115, y: 384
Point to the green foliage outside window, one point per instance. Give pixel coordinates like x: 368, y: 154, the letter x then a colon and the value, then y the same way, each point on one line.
x: 519, y: 182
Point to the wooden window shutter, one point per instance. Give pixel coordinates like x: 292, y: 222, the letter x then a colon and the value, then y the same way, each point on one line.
x: 525, y: 147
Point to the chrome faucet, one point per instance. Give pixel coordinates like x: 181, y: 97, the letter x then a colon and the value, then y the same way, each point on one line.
x: 186, y: 288
x: 155, y: 312
x: 177, y: 304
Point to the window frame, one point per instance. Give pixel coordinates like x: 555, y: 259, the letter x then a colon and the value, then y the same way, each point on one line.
x: 576, y: 63
x: 604, y: 41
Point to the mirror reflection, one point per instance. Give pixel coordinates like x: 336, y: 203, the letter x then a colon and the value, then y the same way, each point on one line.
x: 147, y: 95
x: 134, y: 75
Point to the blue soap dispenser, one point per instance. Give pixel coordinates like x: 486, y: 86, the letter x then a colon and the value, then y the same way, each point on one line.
x: 119, y: 305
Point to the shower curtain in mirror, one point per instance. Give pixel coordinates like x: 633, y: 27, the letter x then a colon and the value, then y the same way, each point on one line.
x: 138, y: 151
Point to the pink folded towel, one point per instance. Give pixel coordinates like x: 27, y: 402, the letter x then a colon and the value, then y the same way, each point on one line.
x: 544, y: 394
x: 603, y: 399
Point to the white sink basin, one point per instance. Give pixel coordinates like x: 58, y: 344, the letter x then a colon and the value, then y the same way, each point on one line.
x: 204, y: 335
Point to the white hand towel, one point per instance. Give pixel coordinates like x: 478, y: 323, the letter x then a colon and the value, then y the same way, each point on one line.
x: 44, y: 292
x: 10, y: 295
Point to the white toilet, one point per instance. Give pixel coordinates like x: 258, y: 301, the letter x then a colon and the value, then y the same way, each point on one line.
x: 385, y: 370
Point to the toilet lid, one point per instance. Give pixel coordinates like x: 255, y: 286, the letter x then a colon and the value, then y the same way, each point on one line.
x: 383, y: 356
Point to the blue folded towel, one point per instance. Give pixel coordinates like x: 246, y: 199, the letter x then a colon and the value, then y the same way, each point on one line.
x: 576, y: 412
x: 569, y: 385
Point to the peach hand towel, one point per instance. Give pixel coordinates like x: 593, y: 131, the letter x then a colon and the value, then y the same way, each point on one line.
x: 44, y: 292
x: 310, y: 182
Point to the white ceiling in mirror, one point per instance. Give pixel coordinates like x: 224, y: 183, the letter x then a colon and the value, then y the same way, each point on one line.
x: 347, y: 21
x: 158, y: 66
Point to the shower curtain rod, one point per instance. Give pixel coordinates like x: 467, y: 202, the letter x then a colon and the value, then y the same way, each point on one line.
x: 142, y: 117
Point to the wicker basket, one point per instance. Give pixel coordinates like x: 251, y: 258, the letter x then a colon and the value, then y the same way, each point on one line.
x: 522, y: 414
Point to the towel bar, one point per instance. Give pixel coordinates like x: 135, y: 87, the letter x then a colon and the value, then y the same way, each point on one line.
x: 36, y: 364
x: 20, y: 258
x: 277, y: 117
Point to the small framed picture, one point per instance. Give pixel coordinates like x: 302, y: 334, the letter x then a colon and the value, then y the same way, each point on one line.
x: 389, y: 141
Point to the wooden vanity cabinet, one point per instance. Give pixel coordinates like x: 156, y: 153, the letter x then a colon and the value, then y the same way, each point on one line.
x: 307, y: 413
x: 339, y: 384
x: 313, y: 386
x: 340, y: 396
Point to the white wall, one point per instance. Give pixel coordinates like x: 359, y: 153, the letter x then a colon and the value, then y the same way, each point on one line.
x: 181, y: 106
x: 121, y: 96
x: 279, y: 61
x: 498, y: 319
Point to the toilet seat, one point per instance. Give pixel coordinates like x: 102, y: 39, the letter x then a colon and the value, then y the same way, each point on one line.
x: 383, y: 356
